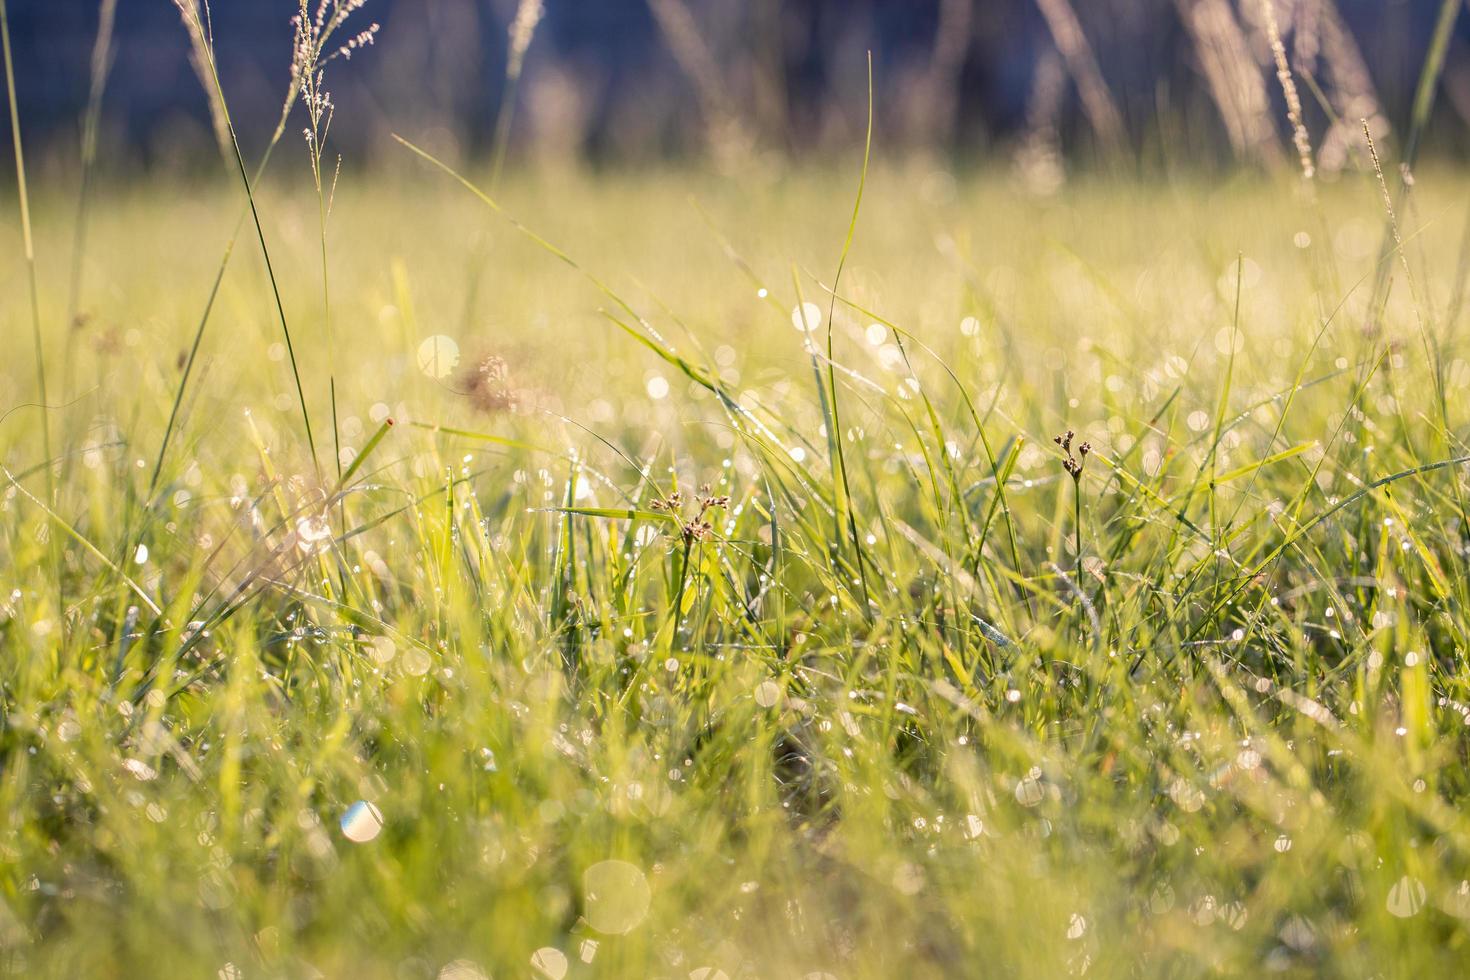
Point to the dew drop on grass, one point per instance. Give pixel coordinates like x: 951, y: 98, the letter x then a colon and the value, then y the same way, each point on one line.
x: 312, y: 533
x: 617, y: 896
x: 1233, y: 915
x: 908, y: 878
x: 462, y: 970
x: 415, y: 662
x: 549, y: 962
x: 1406, y: 897
x: 362, y: 823
x: 657, y: 387
x: 1186, y: 795
x: 382, y: 649
x: 438, y: 356
x: 140, y: 556
x: 141, y: 770
x: 806, y: 317
x: 1298, y: 933
x: 767, y: 693
x: 1028, y: 791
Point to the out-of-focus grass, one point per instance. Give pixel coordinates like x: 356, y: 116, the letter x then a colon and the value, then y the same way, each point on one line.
x: 1230, y: 734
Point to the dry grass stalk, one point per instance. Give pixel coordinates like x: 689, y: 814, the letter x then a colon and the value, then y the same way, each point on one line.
x: 1097, y: 101
x: 1352, y: 92
x: 1233, y: 77
x: 1393, y: 221
x: 727, y: 135
x: 196, y: 25
x: 522, y: 30
x: 1038, y: 159
x: 1306, y: 34
x: 934, y: 110
x: 1299, y: 136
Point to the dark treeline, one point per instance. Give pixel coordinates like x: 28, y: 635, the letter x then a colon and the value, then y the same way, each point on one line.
x: 1040, y: 80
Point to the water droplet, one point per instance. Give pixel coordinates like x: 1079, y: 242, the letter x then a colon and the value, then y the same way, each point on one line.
x: 1406, y: 897
x: 1186, y: 795
x: 1028, y: 791
x: 462, y: 970
x: 382, y: 649
x: 141, y: 770
x: 312, y: 533
x: 549, y: 962
x: 1298, y: 933
x: 415, y: 662
x: 657, y: 387
x: 438, y: 356
x: 807, y: 317
x: 908, y: 878
x: 767, y: 693
x: 617, y: 896
x: 361, y: 823
x: 140, y: 556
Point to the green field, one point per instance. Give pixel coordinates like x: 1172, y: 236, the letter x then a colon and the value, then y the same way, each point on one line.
x: 475, y: 694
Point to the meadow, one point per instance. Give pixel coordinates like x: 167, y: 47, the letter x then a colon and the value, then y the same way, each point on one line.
x: 666, y: 588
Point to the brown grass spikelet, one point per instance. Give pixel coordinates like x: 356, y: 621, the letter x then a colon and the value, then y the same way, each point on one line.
x: 488, y: 388
x: 1299, y: 137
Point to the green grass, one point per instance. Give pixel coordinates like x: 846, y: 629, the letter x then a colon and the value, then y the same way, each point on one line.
x: 1230, y: 734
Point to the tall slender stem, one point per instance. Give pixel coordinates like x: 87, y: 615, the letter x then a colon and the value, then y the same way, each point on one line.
x: 30, y: 251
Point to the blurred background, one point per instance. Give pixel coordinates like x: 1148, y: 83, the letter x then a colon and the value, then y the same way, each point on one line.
x: 1043, y: 85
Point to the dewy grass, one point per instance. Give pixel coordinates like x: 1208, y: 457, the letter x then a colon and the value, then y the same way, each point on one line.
x: 1205, y: 744
x: 497, y: 702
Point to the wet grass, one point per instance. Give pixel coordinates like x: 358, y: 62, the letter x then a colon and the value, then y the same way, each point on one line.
x: 515, y: 692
